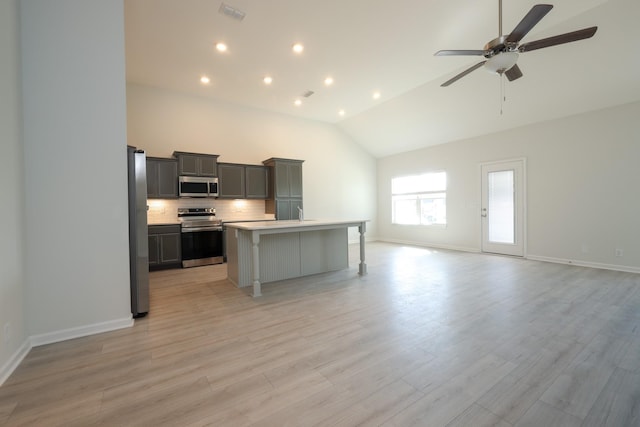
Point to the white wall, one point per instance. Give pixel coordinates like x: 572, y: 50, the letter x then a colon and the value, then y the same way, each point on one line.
x: 12, y: 276
x: 74, y: 100
x: 582, y: 175
x: 338, y: 175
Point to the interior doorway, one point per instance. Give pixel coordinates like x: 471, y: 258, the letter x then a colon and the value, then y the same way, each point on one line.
x: 502, y: 208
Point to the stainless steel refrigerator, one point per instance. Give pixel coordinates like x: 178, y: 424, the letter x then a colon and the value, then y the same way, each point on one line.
x: 138, y: 232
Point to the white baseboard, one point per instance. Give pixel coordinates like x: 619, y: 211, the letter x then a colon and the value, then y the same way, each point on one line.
x: 431, y: 245
x: 600, y: 265
x: 14, y: 361
x: 357, y: 240
x: 81, y: 331
x: 57, y: 336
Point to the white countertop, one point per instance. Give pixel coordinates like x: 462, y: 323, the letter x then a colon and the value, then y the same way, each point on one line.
x: 292, y: 224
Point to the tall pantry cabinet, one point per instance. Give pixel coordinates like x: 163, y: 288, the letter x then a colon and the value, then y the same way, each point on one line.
x: 285, y: 188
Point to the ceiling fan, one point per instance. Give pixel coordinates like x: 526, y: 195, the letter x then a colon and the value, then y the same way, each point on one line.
x: 501, y: 53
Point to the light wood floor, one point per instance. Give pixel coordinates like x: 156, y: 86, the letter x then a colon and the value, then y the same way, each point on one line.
x: 432, y: 338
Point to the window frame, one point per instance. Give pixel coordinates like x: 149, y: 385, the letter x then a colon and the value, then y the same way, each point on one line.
x: 419, y: 197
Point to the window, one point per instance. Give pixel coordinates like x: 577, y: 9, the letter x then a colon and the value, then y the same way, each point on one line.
x: 419, y: 199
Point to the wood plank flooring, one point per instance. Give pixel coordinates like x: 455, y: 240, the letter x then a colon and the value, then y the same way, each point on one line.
x: 428, y: 337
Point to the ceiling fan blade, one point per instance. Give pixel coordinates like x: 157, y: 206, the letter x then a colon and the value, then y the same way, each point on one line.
x: 462, y: 74
x: 573, y: 36
x: 513, y: 73
x: 459, y: 52
x: 530, y: 20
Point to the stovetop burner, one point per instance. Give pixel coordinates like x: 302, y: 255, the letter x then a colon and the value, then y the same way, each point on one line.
x: 196, y: 212
x: 198, y: 217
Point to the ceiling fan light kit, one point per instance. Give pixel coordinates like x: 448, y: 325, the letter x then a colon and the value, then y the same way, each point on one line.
x: 501, y: 62
x: 501, y: 53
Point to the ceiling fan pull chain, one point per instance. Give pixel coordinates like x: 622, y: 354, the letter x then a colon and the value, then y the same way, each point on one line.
x: 504, y: 89
x: 501, y: 91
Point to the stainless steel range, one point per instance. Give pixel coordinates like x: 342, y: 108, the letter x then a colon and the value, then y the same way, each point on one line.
x: 201, y: 236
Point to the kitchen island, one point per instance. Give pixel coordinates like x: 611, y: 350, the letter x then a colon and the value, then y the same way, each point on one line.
x: 268, y: 251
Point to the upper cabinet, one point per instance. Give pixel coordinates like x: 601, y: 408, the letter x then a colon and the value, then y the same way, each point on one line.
x: 242, y: 181
x: 256, y: 182
x: 193, y: 164
x: 288, y: 178
x: 162, y: 178
x: 285, y: 185
x: 279, y: 181
x: 231, y: 181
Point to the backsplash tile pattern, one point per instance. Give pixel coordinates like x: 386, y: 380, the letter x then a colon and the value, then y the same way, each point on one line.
x: 165, y: 211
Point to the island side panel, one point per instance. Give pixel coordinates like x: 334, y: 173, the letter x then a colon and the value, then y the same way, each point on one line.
x: 279, y: 256
x: 324, y: 250
x: 239, y: 257
x: 231, y: 244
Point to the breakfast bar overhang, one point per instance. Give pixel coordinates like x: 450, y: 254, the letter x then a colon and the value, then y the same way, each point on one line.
x: 268, y: 251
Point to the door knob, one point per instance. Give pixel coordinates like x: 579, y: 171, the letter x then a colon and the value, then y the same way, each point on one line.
x: 484, y: 212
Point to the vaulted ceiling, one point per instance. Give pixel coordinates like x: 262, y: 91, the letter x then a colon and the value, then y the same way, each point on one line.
x: 369, y: 46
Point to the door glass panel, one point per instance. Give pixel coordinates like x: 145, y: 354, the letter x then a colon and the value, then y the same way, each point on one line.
x: 501, y: 207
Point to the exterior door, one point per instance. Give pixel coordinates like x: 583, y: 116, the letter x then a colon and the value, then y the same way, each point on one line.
x: 502, y: 209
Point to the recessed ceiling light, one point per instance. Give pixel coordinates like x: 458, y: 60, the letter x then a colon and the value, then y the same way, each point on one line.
x: 341, y: 112
x: 297, y: 48
x: 205, y: 80
x: 328, y: 81
x: 267, y: 80
x: 297, y: 102
x: 221, y: 47
x: 376, y: 95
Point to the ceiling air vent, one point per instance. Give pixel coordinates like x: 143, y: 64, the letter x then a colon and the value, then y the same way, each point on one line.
x: 231, y: 12
x: 308, y: 93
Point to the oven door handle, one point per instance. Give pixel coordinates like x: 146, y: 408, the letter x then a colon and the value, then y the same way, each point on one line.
x: 194, y: 229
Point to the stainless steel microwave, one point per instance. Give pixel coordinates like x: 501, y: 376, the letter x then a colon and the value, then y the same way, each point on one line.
x: 195, y: 186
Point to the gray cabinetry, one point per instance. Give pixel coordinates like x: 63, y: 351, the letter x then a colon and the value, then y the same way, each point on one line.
x: 231, y: 181
x: 154, y: 253
x: 285, y: 186
x: 193, y: 164
x: 239, y: 181
x: 164, y: 246
x: 162, y: 178
x: 288, y: 178
x: 288, y: 209
x: 256, y: 182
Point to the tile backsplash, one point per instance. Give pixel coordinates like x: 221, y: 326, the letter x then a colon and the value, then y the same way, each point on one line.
x: 165, y: 211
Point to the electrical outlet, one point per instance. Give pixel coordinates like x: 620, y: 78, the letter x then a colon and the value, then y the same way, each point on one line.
x: 619, y: 252
x: 7, y: 333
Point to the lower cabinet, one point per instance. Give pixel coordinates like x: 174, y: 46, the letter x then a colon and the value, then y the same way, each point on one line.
x: 164, y: 247
x: 287, y: 209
